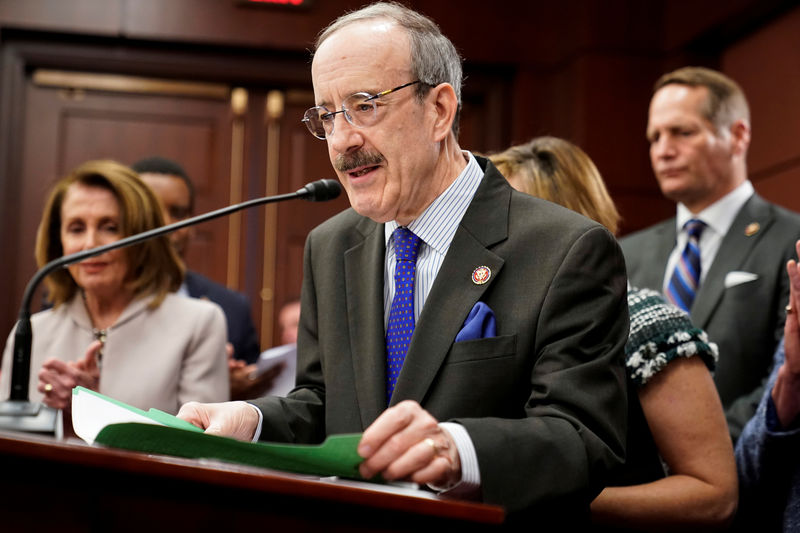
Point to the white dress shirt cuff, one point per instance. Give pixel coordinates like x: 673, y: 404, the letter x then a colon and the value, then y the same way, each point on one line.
x: 470, y: 482
x: 260, y: 422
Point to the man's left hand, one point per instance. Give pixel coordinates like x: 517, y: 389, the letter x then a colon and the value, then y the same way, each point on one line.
x: 406, y: 442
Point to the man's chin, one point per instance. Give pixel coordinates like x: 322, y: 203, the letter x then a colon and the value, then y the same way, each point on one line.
x: 371, y: 211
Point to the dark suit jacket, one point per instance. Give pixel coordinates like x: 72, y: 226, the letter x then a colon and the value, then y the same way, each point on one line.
x: 746, y: 320
x: 236, y: 306
x: 544, y: 402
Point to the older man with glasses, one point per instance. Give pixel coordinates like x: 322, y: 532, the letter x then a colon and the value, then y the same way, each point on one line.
x: 473, y: 334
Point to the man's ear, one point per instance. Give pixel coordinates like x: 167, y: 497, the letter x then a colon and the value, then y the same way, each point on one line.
x: 445, y: 102
x: 740, y: 136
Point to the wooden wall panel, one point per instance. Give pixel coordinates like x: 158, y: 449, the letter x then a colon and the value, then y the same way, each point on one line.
x: 767, y: 65
x: 303, y: 159
x: 66, y: 128
x: 80, y: 16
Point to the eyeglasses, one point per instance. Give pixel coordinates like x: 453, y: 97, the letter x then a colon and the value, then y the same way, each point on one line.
x: 360, y: 110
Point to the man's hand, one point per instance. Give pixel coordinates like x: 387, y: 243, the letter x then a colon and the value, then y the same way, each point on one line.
x: 786, y: 392
x: 406, y: 442
x: 228, y: 419
x: 57, y: 378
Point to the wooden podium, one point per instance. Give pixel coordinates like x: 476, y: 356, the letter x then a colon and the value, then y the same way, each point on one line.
x: 65, y: 486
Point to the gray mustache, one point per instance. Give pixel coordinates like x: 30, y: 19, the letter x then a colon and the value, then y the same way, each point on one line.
x: 347, y: 162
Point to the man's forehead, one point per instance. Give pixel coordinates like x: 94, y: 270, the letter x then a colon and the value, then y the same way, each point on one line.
x: 361, y: 50
x: 674, y: 100
x: 368, y: 33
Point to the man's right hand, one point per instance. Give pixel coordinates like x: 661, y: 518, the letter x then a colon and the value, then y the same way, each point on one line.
x: 229, y: 419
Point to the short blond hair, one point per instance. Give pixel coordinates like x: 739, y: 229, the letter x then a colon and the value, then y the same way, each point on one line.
x: 153, y: 266
x: 558, y: 171
x: 726, y: 102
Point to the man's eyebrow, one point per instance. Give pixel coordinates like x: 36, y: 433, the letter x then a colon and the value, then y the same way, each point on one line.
x: 370, y: 91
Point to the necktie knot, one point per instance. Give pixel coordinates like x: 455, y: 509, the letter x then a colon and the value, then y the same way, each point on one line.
x: 694, y: 228
x: 406, y: 244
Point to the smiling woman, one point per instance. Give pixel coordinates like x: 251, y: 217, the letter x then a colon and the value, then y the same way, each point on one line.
x: 106, y: 329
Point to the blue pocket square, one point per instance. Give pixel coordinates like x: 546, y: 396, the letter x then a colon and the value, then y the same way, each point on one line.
x: 480, y: 324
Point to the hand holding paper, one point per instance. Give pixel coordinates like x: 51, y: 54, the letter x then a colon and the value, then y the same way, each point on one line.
x: 98, y: 418
x: 406, y: 442
x: 238, y: 420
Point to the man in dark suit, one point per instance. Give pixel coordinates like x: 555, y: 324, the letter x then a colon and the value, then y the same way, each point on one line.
x: 699, y: 132
x: 509, y: 385
x: 176, y: 192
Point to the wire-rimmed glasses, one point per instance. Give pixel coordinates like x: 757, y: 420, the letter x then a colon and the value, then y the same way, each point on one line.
x: 359, y: 109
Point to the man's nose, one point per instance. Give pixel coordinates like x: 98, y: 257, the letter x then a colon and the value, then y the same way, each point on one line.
x: 663, y: 147
x: 345, y: 137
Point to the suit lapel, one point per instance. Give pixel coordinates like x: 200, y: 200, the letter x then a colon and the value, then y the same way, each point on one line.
x: 363, y: 269
x: 734, y: 249
x: 453, y: 294
x: 664, y: 242
x: 192, y: 285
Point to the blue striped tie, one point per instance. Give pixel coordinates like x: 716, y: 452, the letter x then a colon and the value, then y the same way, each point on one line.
x: 401, y: 315
x: 686, y: 278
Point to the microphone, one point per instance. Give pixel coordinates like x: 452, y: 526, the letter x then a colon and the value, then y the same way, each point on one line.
x: 322, y: 190
x: 18, y: 413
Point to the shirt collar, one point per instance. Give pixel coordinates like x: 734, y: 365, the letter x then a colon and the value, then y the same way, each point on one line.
x: 719, y: 215
x: 437, y: 225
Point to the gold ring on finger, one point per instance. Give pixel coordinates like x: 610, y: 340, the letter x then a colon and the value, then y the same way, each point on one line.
x: 789, y: 309
x: 48, y: 387
x: 430, y: 442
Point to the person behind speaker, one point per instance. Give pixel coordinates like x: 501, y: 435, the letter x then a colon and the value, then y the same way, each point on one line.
x: 766, y: 452
x: 510, y: 388
x: 699, y: 133
x: 674, y: 411
x: 116, y: 325
x: 176, y: 192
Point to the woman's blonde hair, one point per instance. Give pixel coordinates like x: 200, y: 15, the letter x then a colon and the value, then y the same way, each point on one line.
x: 558, y: 171
x: 153, y: 266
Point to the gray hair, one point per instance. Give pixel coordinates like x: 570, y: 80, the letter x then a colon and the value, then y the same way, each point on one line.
x: 434, y: 58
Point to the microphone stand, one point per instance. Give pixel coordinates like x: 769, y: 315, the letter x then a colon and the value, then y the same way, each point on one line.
x: 18, y: 413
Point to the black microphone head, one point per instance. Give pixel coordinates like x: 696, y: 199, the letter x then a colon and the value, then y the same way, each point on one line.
x: 321, y: 190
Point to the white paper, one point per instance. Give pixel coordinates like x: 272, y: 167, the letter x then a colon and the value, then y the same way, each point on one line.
x: 91, y: 413
x: 283, y: 382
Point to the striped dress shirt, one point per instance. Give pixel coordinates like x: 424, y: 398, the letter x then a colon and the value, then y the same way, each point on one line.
x: 436, y: 227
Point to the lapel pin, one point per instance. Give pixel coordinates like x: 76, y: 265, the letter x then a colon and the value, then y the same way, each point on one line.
x: 481, y: 275
x: 752, y: 229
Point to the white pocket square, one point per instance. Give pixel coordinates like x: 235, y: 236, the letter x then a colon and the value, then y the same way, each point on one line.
x: 737, y: 277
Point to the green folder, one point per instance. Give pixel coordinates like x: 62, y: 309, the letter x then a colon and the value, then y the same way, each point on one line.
x: 335, y: 457
x: 155, y: 431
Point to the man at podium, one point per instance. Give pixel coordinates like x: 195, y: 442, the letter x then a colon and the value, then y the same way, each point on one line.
x: 472, y: 333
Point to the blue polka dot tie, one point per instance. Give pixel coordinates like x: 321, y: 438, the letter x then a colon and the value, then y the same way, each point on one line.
x: 683, y: 284
x: 401, y: 315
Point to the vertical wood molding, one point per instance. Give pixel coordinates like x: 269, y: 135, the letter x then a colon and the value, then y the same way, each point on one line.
x: 238, y: 108
x: 274, y: 112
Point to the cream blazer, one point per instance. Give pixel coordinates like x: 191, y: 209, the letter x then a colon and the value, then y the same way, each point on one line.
x: 158, y: 358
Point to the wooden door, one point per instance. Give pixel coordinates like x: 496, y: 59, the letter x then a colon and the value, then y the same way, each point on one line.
x: 65, y: 126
